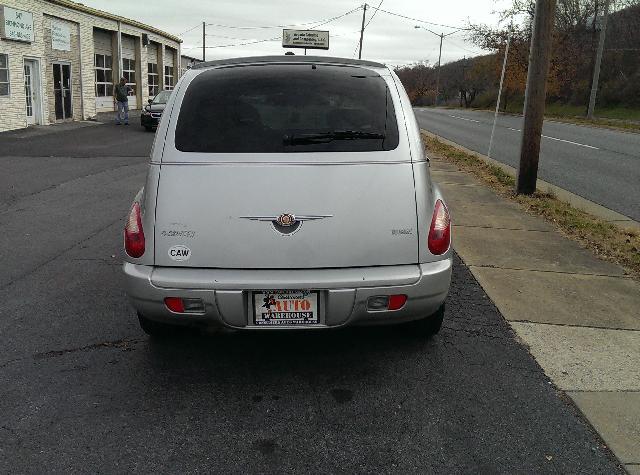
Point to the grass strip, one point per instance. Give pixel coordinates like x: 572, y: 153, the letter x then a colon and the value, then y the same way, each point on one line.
x: 605, y: 240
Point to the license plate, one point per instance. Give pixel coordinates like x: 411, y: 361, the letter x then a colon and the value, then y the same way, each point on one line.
x: 285, y: 307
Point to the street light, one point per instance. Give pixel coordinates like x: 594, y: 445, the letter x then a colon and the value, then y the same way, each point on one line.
x: 441, y: 36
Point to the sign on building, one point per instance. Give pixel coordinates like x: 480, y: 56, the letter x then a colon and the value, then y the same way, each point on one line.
x: 310, y: 39
x: 16, y: 24
x: 60, y: 36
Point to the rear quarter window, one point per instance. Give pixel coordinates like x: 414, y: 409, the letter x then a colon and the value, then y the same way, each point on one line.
x: 287, y: 108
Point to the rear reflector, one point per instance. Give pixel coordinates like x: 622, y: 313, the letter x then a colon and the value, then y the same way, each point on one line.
x: 396, y: 302
x: 180, y: 305
x: 174, y: 304
x: 440, y: 230
x: 133, y: 233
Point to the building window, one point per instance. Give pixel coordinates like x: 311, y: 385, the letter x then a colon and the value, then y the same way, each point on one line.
x: 4, y: 75
x: 154, y: 85
x: 104, y: 79
x: 168, y: 77
x: 129, y: 73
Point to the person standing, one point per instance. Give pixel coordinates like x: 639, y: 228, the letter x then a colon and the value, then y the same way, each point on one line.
x: 121, y: 98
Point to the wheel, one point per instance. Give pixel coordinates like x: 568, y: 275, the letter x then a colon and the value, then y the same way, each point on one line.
x: 157, y: 329
x: 427, y: 326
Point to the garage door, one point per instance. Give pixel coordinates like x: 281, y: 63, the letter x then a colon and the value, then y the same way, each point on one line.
x: 103, y: 64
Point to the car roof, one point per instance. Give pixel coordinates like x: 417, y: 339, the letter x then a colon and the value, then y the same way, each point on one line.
x: 289, y: 59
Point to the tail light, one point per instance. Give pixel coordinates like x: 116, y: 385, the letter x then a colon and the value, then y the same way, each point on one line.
x: 180, y: 305
x: 396, y: 302
x: 386, y: 302
x: 174, y: 304
x: 440, y: 230
x: 133, y: 233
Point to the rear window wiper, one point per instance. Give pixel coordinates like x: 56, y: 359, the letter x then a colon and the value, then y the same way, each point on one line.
x: 298, y: 139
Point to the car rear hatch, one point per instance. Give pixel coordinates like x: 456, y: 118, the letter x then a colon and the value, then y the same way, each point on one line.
x: 260, y: 172
x: 355, y: 216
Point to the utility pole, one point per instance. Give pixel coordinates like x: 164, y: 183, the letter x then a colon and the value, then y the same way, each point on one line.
x: 463, y: 88
x: 438, y: 73
x: 442, y: 36
x: 495, y: 116
x: 364, y: 12
x: 204, y: 36
x: 534, y: 102
x: 596, y: 68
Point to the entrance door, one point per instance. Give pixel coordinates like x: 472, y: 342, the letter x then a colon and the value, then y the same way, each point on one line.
x: 29, y: 91
x: 32, y: 91
x: 62, y: 90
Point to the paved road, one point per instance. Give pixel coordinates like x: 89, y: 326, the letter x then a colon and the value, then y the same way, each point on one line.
x: 82, y: 389
x: 601, y: 165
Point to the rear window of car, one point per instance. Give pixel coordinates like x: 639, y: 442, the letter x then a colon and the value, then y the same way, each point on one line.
x: 162, y: 97
x: 287, y: 108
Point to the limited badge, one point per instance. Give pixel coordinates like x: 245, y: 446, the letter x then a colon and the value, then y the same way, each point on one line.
x: 179, y: 253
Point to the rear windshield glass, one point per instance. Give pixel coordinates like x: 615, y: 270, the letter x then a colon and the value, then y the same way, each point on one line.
x: 162, y: 97
x: 287, y: 108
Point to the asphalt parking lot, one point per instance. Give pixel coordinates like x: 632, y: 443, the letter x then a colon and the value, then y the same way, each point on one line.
x: 82, y: 389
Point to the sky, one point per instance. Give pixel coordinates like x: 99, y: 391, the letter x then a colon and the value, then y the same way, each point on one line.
x: 389, y: 39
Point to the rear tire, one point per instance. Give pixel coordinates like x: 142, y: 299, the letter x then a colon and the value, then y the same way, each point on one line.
x: 157, y: 329
x: 427, y: 326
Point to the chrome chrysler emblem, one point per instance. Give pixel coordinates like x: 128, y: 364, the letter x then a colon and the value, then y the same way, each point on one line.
x: 286, y: 220
x: 287, y: 223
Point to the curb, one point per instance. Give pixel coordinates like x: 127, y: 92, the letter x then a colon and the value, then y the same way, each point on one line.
x: 574, y: 200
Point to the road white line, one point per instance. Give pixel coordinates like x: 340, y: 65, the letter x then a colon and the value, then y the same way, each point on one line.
x: 519, y: 130
x: 560, y: 140
x: 569, y: 141
x: 464, y: 118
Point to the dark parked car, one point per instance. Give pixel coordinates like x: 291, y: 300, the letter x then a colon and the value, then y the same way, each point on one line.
x: 151, y: 114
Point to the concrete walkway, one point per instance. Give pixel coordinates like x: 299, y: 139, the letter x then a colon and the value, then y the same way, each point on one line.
x: 579, y: 316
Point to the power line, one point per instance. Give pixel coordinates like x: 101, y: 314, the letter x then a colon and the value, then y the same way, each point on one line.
x: 276, y: 38
x: 420, y: 21
x: 457, y: 45
x: 355, y: 50
x: 189, y: 48
x: 374, y: 14
x: 337, y: 17
x: 315, y: 23
x: 348, y: 33
x: 320, y: 23
x: 230, y: 37
x: 243, y: 44
x: 190, y: 29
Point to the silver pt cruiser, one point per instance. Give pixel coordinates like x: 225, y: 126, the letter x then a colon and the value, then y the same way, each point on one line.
x: 288, y: 192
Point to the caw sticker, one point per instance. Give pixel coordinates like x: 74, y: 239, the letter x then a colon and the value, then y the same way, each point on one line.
x: 179, y: 253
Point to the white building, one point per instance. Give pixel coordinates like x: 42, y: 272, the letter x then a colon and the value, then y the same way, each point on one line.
x: 59, y: 61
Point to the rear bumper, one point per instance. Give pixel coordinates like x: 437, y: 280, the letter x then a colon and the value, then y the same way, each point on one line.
x: 149, y: 121
x: 343, y: 293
